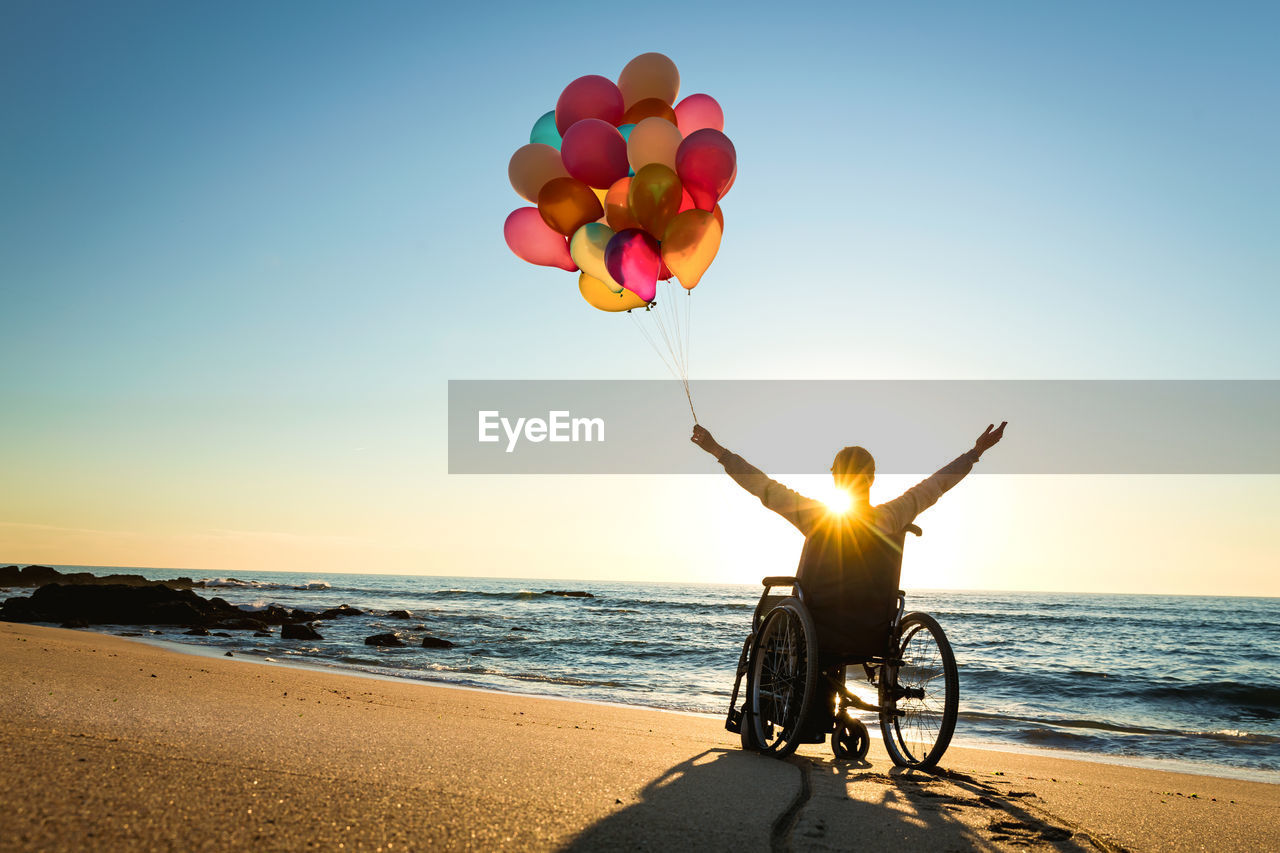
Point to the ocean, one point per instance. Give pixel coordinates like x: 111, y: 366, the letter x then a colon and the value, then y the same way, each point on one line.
x: 1188, y: 682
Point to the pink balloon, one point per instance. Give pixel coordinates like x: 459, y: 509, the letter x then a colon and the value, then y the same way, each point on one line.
x: 706, y: 162
x: 592, y: 96
x: 595, y: 153
x: 634, y: 260
x: 534, y: 241
x: 697, y: 112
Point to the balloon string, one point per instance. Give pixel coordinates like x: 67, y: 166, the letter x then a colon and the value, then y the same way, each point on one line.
x: 675, y: 342
x: 649, y: 338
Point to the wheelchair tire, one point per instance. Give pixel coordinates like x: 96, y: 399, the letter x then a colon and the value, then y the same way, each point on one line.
x: 782, y: 679
x: 850, y: 740
x: 920, y: 699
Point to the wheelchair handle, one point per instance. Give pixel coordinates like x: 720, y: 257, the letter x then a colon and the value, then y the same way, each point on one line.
x: 779, y: 580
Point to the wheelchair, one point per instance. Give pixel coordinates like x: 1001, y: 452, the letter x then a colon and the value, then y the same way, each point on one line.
x: 788, y: 677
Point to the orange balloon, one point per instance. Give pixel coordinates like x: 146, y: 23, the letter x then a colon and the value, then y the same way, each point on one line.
x: 532, y: 166
x: 649, y: 75
x: 617, y: 208
x: 689, y: 245
x: 649, y: 108
x: 598, y: 295
x: 567, y: 204
x: 654, y: 197
x: 653, y: 140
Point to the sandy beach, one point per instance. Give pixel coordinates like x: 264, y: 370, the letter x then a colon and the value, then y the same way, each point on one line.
x: 109, y: 743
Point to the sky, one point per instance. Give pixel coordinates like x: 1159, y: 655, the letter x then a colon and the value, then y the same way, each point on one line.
x: 243, y: 248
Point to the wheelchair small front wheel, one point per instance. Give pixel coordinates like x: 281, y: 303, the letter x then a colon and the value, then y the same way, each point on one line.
x: 850, y: 740
x: 781, y: 681
x: 920, y: 696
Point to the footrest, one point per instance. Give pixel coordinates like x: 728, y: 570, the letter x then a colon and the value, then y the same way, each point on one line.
x: 734, y: 721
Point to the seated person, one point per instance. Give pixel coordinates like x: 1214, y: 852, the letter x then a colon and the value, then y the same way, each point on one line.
x: 851, y: 562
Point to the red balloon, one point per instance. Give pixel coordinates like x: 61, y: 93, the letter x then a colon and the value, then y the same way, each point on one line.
x: 633, y: 259
x: 592, y: 96
x: 595, y: 153
x: 534, y: 241
x: 698, y: 111
x: 705, y: 162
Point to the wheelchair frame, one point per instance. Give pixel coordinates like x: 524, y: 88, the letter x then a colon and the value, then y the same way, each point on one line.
x: 850, y: 738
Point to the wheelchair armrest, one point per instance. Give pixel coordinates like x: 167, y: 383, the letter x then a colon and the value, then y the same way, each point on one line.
x: 779, y: 581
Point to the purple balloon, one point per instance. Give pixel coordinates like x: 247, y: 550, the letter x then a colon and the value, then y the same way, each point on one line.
x: 633, y: 259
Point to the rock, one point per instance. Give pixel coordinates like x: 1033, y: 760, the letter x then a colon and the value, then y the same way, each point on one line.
x: 337, y: 612
x: 198, y: 632
x: 265, y: 633
x: 75, y: 623
x: 42, y: 575
x: 569, y: 593
x: 110, y: 605
x: 228, y: 654
x: 121, y: 604
x: 400, y: 614
x: 383, y: 640
x: 299, y: 632
x: 430, y: 642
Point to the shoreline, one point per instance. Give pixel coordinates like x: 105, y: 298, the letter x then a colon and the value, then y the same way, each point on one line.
x: 121, y: 745
x: 1190, y: 768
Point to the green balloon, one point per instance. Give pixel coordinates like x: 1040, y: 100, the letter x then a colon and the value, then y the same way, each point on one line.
x: 544, y: 130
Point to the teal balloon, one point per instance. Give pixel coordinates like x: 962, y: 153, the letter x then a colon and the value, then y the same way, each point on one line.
x: 625, y: 130
x: 544, y: 130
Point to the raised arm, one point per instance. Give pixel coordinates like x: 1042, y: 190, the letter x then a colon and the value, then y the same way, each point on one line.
x: 794, y: 507
x: 903, y: 510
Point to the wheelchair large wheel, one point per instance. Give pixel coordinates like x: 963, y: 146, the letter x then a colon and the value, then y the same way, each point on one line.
x: 919, y: 699
x: 782, y: 679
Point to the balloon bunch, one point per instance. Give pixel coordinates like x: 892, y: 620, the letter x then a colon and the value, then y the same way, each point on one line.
x: 626, y: 183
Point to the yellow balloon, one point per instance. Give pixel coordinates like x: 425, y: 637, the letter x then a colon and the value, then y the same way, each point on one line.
x: 532, y: 166
x: 689, y: 245
x: 649, y: 75
x: 598, y: 295
x: 653, y: 140
x: 587, y: 250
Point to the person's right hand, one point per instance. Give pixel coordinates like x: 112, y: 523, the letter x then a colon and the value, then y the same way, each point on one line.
x: 704, y: 439
x: 990, y: 438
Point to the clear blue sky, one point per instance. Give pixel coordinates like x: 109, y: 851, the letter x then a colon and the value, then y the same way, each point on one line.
x: 243, y: 246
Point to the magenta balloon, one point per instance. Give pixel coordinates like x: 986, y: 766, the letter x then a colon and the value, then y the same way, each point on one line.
x: 697, y: 112
x: 705, y: 162
x: 633, y: 259
x: 592, y: 96
x: 534, y: 241
x: 594, y: 152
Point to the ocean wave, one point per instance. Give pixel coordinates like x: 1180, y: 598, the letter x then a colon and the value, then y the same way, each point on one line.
x: 237, y: 583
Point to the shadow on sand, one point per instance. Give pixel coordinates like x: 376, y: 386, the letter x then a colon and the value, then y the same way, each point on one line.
x: 730, y: 800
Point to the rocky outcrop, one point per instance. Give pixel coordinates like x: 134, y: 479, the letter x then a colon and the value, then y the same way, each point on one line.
x: 299, y: 632
x: 155, y: 604
x: 400, y: 614
x: 430, y: 642
x: 384, y: 640
x: 32, y: 576
x: 339, y: 612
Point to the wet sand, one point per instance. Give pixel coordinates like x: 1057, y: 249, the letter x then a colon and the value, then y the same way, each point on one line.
x: 107, y: 743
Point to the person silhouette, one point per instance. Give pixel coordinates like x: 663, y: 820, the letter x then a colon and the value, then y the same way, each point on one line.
x: 851, y: 562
